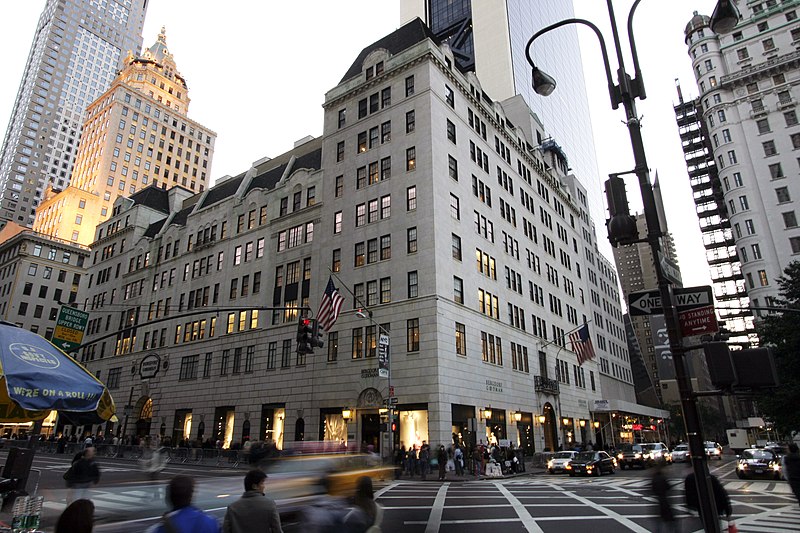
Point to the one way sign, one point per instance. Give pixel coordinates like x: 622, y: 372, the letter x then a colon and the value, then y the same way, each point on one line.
x: 649, y: 302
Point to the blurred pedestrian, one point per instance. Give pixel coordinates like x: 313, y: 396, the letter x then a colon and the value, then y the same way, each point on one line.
x: 424, y: 458
x: 660, y: 486
x: 791, y: 469
x: 441, y: 458
x: 184, y: 518
x: 83, y: 473
x: 254, y: 511
x: 721, y: 498
x: 458, y: 460
x: 366, y: 515
x: 78, y: 517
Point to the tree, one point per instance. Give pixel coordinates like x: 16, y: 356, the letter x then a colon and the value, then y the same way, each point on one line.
x: 781, y: 332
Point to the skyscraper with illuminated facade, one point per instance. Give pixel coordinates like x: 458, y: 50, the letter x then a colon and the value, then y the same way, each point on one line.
x: 136, y: 134
x: 76, y: 51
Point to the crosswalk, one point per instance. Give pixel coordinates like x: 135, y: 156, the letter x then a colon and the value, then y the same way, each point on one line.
x: 732, y: 486
x: 784, y: 519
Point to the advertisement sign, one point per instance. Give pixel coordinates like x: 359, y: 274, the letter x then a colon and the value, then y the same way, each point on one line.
x: 664, y: 363
x: 383, y: 356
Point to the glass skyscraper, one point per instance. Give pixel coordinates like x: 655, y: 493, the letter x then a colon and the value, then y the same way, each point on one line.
x: 490, y: 38
x: 77, y: 49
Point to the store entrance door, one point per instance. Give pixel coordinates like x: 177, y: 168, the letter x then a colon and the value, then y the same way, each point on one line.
x: 371, y: 431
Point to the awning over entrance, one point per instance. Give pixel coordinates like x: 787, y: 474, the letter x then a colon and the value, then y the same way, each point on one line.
x: 609, y: 406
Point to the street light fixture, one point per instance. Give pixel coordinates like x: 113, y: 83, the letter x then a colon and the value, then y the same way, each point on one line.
x: 542, y: 419
x: 596, y: 424
x: 517, y: 416
x: 487, y: 413
x: 347, y: 414
x: 625, y: 91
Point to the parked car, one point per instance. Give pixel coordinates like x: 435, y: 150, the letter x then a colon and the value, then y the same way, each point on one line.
x: 630, y: 455
x: 558, y: 463
x: 591, y: 463
x: 713, y: 450
x: 758, y: 462
x: 658, y: 451
x: 680, y: 453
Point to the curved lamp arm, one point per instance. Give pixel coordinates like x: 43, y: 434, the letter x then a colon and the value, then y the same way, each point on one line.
x: 636, y: 71
x: 612, y: 88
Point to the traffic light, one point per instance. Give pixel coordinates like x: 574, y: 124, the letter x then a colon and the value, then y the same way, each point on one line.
x: 621, y: 226
x: 394, y: 425
x: 316, y: 335
x: 305, y: 336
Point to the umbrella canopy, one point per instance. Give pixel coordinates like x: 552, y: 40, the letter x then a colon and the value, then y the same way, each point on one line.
x: 36, y: 377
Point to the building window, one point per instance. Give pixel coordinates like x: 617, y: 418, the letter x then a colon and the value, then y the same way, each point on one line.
x: 795, y: 243
x: 189, y: 366
x: 783, y: 195
x: 461, y: 339
x: 412, y: 284
x: 358, y: 343
x: 750, y: 227
x: 412, y: 334
x: 449, y: 96
x: 411, y: 240
x: 776, y: 171
x: 763, y: 126
x: 744, y: 203
x: 411, y: 198
x: 411, y: 159
x: 769, y: 148
x: 409, y: 86
x: 732, y: 157
x: 768, y: 44
x: 452, y: 167
x: 458, y: 290
x: 455, y: 208
x: 410, y: 121
x: 342, y: 118
x: 333, y: 346
x: 340, y: 151
x: 791, y: 118
x: 337, y: 222
x: 742, y: 54
x: 789, y: 219
x: 762, y: 278
x: 795, y: 137
x: 456, y: 246
x: 451, y: 132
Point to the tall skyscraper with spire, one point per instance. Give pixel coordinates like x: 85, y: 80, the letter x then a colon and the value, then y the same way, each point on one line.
x: 136, y: 134
x: 76, y: 52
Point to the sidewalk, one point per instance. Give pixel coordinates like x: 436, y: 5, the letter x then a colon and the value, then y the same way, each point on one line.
x: 433, y: 475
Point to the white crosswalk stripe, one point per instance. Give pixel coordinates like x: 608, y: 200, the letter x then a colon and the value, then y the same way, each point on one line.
x: 784, y: 519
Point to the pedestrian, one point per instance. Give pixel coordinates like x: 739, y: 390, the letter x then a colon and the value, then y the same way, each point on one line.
x: 721, y: 498
x: 78, y: 517
x: 83, y: 473
x: 412, y: 460
x: 366, y: 515
x: 424, y: 458
x: 441, y: 457
x: 458, y: 460
x: 660, y: 486
x: 791, y: 469
x: 184, y: 517
x: 254, y: 511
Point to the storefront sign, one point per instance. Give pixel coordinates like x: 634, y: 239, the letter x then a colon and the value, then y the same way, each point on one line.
x: 637, y: 427
x: 367, y: 373
x: 601, y: 405
x: 494, y: 386
x: 150, y: 366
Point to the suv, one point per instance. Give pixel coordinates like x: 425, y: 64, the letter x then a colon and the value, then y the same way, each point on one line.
x: 713, y: 450
x: 658, y: 452
x: 630, y: 455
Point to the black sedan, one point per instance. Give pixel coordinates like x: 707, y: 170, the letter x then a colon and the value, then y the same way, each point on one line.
x: 591, y: 463
x: 758, y: 462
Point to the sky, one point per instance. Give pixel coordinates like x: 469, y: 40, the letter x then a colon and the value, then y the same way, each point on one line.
x: 258, y: 73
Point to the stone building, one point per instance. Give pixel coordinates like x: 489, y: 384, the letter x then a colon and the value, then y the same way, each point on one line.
x: 443, y: 224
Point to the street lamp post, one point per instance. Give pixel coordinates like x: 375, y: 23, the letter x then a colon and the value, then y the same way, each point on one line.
x: 624, y: 92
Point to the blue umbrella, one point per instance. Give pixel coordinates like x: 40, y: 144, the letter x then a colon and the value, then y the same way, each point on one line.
x: 36, y: 377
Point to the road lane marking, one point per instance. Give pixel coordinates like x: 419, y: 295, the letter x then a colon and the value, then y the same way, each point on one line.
x: 633, y: 526
x: 527, y: 520
x: 435, y: 518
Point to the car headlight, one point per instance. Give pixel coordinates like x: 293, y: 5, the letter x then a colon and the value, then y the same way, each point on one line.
x: 619, y: 456
x: 568, y: 467
x: 742, y: 466
x: 776, y: 467
x: 637, y: 456
x: 550, y: 463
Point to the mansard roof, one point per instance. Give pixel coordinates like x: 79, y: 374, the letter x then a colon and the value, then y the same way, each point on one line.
x: 401, y: 39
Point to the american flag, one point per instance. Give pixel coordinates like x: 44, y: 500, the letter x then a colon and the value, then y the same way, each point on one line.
x: 582, y: 344
x: 329, y: 308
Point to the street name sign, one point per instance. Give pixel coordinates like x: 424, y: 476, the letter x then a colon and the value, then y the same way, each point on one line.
x: 70, y: 325
x: 391, y: 401
x: 649, y: 302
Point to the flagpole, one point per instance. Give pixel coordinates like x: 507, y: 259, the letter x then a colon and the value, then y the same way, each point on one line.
x: 368, y: 316
x: 548, y: 343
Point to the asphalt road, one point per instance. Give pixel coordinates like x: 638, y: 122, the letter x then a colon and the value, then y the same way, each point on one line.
x: 126, y: 500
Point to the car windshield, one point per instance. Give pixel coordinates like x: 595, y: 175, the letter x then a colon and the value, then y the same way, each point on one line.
x: 584, y: 456
x: 757, y: 454
x: 710, y: 445
x: 681, y: 448
x: 563, y: 455
x: 649, y: 447
x: 631, y: 448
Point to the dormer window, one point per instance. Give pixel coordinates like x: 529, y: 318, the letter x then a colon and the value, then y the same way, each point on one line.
x: 379, y: 68
x: 370, y: 73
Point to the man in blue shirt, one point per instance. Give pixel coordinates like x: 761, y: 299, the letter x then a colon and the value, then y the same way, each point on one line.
x: 184, y: 518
